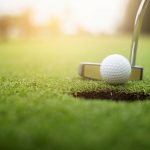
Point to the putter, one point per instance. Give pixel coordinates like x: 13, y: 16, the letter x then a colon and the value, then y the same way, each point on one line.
x: 92, y: 70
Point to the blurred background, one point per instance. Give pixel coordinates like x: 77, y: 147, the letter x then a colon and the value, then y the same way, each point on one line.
x: 48, y: 18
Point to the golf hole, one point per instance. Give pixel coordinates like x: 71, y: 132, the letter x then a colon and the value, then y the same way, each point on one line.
x: 112, y: 95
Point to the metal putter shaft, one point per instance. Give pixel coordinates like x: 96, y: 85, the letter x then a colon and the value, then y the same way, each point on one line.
x: 92, y: 70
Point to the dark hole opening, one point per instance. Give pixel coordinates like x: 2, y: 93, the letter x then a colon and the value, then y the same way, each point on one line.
x: 112, y: 95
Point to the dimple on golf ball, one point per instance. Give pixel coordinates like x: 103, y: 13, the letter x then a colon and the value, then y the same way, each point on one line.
x: 115, y: 69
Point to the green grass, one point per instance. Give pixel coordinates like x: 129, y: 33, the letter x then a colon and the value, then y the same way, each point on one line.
x: 37, y: 111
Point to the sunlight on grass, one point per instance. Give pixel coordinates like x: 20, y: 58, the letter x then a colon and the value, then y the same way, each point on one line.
x: 37, y: 110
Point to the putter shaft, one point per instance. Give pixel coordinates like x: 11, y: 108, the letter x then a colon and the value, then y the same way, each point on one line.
x: 137, y: 29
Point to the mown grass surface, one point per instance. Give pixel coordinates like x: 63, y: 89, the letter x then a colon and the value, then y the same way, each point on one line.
x: 37, y: 111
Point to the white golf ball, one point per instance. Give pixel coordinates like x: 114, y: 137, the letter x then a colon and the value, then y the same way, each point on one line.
x: 115, y: 69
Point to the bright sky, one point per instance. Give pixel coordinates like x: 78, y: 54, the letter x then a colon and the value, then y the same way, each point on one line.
x: 93, y: 15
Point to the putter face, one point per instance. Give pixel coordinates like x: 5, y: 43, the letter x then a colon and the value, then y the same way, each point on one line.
x: 92, y: 71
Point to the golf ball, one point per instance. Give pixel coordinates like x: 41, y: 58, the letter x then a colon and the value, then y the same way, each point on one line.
x: 115, y: 69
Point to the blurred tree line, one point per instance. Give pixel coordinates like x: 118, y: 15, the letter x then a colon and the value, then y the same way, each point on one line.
x: 22, y: 26
x: 12, y: 25
x: 129, y: 18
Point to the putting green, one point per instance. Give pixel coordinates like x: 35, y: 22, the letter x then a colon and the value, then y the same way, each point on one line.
x: 37, y: 110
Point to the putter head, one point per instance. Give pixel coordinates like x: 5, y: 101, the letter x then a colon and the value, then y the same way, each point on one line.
x: 92, y: 71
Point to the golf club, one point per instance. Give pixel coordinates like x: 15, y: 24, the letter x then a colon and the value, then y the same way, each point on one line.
x: 92, y: 70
